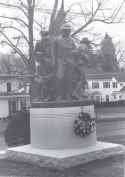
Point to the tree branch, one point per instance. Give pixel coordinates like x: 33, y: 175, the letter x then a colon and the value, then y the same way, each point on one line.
x: 15, y: 19
x: 19, y: 7
x: 14, y: 6
x: 106, y: 21
x: 89, y: 21
x: 17, y: 29
x: 22, y: 4
x: 17, y: 50
x: 118, y: 10
x: 94, y: 17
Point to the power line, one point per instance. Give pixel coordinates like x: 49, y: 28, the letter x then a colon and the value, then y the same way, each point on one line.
x: 49, y: 11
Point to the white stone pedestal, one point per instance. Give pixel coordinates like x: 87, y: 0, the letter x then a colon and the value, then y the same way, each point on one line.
x: 52, y: 126
x: 54, y: 145
x: 92, y: 158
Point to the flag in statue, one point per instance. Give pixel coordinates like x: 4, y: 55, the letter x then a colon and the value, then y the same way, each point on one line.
x: 58, y: 19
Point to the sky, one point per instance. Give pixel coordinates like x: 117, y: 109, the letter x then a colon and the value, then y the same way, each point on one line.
x: 116, y: 31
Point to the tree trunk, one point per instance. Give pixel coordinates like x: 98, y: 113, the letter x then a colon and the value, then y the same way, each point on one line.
x: 31, y: 6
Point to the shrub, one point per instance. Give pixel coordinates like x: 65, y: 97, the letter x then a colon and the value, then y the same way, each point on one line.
x: 18, y: 130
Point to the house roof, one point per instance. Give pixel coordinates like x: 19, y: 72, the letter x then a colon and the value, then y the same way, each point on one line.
x: 120, y: 76
x: 14, y: 76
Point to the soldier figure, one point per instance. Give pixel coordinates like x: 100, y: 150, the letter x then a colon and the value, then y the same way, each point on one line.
x: 64, y: 48
x: 44, y: 69
x: 63, y: 79
x: 43, y: 48
x: 84, y: 51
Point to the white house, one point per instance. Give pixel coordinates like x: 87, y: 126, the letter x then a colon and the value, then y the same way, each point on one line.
x: 12, y: 97
x: 106, y: 86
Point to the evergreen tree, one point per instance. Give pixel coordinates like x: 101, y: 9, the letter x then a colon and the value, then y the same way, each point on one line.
x: 108, y: 57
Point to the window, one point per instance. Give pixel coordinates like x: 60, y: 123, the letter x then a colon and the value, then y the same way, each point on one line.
x: 107, y: 98
x: 106, y: 84
x: 8, y: 87
x: 95, y: 85
x: 23, y: 104
x: 114, y: 84
x: 12, y: 106
x: 115, y: 97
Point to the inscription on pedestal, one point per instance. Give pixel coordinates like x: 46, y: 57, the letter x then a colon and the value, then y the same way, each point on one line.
x: 53, y: 128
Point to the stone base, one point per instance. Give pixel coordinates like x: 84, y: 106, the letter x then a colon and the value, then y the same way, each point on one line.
x: 68, y: 158
x: 52, y: 127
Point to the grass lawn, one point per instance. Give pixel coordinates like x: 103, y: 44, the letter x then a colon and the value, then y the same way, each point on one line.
x: 13, y: 169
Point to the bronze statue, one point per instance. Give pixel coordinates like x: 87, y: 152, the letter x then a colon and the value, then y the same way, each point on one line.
x: 64, y: 48
x: 43, y: 48
x: 63, y: 79
x: 44, y: 69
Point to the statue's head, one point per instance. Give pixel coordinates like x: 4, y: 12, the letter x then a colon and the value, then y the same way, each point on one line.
x: 66, y: 30
x: 85, y: 40
x: 44, y: 33
x: 84, y: 44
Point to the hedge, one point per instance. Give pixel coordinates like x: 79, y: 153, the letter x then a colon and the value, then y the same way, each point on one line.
x: 18, y: 130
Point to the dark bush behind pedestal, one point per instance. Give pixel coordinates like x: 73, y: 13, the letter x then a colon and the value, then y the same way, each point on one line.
x: 18, y: 130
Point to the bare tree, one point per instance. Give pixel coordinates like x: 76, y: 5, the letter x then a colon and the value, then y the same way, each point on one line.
x: 23, y: 25
x: 97, y: 11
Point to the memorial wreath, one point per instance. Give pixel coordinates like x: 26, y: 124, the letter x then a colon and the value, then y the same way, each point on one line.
x: 84, y: 125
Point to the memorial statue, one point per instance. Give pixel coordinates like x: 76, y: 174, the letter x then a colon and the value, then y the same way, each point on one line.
x: 64, y: 49
x: 42, y: 48
x: 59, y: 80
x: 41, y: 86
